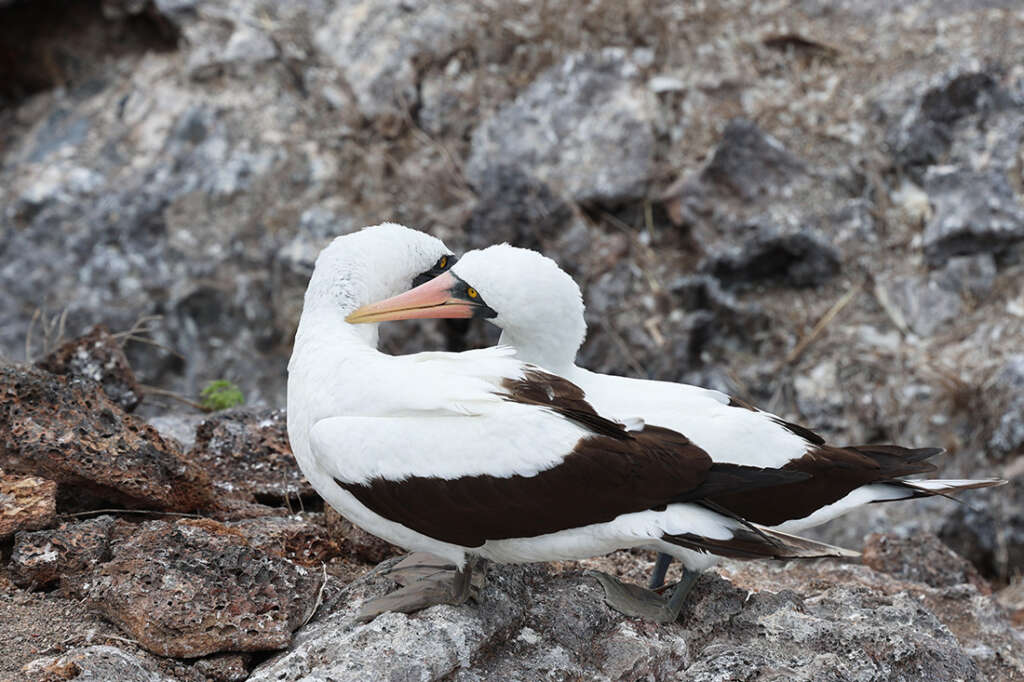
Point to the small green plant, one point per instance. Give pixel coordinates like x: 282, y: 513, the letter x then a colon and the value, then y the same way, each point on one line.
x: 220, y: 395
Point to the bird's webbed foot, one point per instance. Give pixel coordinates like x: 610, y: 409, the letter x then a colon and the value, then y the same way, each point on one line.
x: 638, y: 602
x: 427, y: 581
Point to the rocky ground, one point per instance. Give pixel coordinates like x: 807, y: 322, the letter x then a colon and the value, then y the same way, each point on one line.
x: 241, y: 574
x: 816, y: 206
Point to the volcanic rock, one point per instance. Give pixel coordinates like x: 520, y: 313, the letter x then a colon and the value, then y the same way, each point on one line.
x: 1008, y: 435
x: 975, y: 212
x: 800, y: 258
x: 95, y: 663
x: 26, y: 503
x: 194, y: 588
x: 98, y: 356
x: 293, y: 537
x: 355, y: 541
x: 380, y: 45
x: 815, y: 620
x: 515, y: 207
x: 749, y: 164
x: 45, y: 557
x: 584, y: 126
x: 247, y: 455
x: 924, y: 133
x: 69, y: 431
x: 923, y: 559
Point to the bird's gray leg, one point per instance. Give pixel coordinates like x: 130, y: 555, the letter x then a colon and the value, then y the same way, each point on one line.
x: 660, y: 569
x: 461, y: 586
x: 679, y: 594
x: 637, y: 602
x: 479, y: 579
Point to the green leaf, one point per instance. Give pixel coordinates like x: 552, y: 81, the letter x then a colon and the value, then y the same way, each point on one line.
x: 220, y: 395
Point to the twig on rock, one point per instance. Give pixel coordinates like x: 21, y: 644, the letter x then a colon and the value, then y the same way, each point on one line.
x: 28, y: 334
x: 825, y: 320
x: 174, y: 396
x: 53, y: 331
x: 126, y: 640
x: 319, y: 595
x: 135, y: 332
x: 133, y: 511
x: 882, y: 296
x: 138, y: 327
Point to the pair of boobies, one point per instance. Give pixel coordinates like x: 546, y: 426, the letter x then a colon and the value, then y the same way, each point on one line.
x: 513, y: 454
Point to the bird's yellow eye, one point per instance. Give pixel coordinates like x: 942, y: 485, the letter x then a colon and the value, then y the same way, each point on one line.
x: 471, y: 292
x: 443, y: 263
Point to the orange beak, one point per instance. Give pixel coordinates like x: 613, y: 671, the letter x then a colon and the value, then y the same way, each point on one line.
x: 431, y: 300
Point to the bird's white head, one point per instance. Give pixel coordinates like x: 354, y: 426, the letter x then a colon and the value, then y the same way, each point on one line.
x: 373, y: 263
x: 538, y: 307
x: 354, y: 269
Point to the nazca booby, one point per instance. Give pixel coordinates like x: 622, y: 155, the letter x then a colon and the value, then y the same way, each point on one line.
x: 539, y: 309
x: 478, y: 455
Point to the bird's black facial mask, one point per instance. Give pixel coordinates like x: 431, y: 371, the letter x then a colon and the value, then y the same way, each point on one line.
x: 443, y: 264
x: 462, y: 291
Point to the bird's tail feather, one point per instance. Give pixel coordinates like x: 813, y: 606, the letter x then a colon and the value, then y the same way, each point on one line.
x: 797, y: 547
x: 751, y: 541
x: 942, y: 487
x: 951, y: 485
x: 895, y: 461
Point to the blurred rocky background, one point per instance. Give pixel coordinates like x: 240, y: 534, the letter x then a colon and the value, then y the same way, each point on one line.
x: 816, y: 206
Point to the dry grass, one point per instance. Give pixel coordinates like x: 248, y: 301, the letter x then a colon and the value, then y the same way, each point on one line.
x: 51, y: 331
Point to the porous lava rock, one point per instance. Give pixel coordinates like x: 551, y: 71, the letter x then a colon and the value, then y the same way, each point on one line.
x: 197, y: 587
x: 26, y: 503
x: 247, y: 455
x: 97, y: 355
x: 69, y: 431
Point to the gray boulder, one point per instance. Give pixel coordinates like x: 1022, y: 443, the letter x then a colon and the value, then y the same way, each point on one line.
x: 806, y: 621
x: 1008, y: 436
x: 926, y: 306
x: 584, y: 126
x: 379, y: 47
x: 799, y: 258
x: 750, y: 164
x: 95, y: 664
x: 515, y: 207
x: 974, y: 212
x: 924, y: 133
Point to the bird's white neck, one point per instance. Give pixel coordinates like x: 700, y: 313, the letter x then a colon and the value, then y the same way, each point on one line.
x: 327, y: 329
x: 334, y: 291
x: 329, y: 356
x: 552, y: 351
x: 323, y: 336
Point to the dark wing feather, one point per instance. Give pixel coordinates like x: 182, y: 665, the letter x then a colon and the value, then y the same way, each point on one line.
x: 560, y: 395
x: 600, y: 479
x: 608, y: 473
x: 832, y: 473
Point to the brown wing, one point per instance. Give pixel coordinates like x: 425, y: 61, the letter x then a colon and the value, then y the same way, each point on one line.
x: 608, y: 473
x: 560, y: 395
x: 600, y: 479
x: 832, y: 473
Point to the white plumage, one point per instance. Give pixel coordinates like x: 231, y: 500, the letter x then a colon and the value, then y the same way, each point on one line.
x: 539, y: 309
x: 358, y: 418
